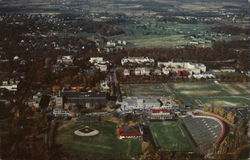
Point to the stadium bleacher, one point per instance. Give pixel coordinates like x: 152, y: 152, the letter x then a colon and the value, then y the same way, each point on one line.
x: 204, y: 130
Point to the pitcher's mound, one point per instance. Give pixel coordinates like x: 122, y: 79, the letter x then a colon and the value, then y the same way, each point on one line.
x: 86, y: 132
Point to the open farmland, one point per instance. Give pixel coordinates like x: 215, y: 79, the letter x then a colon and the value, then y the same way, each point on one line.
x: 169, y: 136
x: 106, y: 145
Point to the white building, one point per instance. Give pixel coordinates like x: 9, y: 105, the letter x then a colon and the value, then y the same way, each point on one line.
x: 111, y: 44
x: 103, y: 67
x: 192, y: 68
x: 10, y: 84
x: 96, y: 60
x: 139, y: 103
x: 157, y: 72
x: 12, y: 88
x: 137, y: 60
x: 104, y: 85
x: 99, y: 63
x: 126, y: 72
x: 203, y: 75
x: 59, y: 101
x: 160, y: 114
x: 61, y: 113
x: 142, y: 71
x: 165, y: 70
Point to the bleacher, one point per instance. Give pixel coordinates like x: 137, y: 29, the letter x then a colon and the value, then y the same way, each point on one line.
x: 205, y: 131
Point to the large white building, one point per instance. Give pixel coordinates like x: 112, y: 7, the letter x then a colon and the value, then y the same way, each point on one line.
x: 139, y: 103
x: 137, y: 60
x: 192, y: 68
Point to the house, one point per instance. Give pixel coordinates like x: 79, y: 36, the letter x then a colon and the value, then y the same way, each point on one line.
x: 67, y: 60
x: 104, y: 85
x: 142, y: 71
x: 102, y: 66
x: 10, y: 84
x: 130, y: 132
x: 165, y: 71
x: 157, y: 72
x: 96, y: 60
x: 126, y: 72
x: 40, y: 100
x: 99, y: 63
x: 111, y: 44
x: 85, y: 99
x: 59, y: 101
x: 139, y: 103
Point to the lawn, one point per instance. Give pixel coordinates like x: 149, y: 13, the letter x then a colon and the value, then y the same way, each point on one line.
x: 169, y: 136
x: 103, y: 146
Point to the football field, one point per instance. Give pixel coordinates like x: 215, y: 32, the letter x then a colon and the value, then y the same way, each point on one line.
x: 170, y: 137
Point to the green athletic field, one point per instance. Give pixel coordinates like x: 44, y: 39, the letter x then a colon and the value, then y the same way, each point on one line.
x: 201, y: 93
x: 157, y: 89
x: 103, y: 146
x: 170, y: 137
x: 195, y: 93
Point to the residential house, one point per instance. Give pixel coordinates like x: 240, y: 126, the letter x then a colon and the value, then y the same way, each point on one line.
x: 126, y: 72
x: 66, y: 60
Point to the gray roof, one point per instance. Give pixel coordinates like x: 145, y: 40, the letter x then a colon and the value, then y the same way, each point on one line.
x: 84, y: 97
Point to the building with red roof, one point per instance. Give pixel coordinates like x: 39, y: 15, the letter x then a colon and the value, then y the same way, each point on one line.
x: 130, y: 132
x: 160, y: 114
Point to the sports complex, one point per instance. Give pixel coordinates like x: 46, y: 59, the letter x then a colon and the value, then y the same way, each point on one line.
x: 195, y: 93
x: 191, y: 133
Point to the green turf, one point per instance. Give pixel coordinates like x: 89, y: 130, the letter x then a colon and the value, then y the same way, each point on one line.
x: 103, y: 146
x: 169, y: 136
x: 146, y: 89
x: 200, y: 93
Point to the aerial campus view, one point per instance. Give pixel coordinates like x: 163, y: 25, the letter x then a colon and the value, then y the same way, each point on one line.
x: 124, y: 79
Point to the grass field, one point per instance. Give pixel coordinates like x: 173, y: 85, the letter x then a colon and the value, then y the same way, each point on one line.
x: 169, y: 136
x: 200, y: 93
x: 146, y: 89
x: 103, y: 146
x: 195, y: 93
